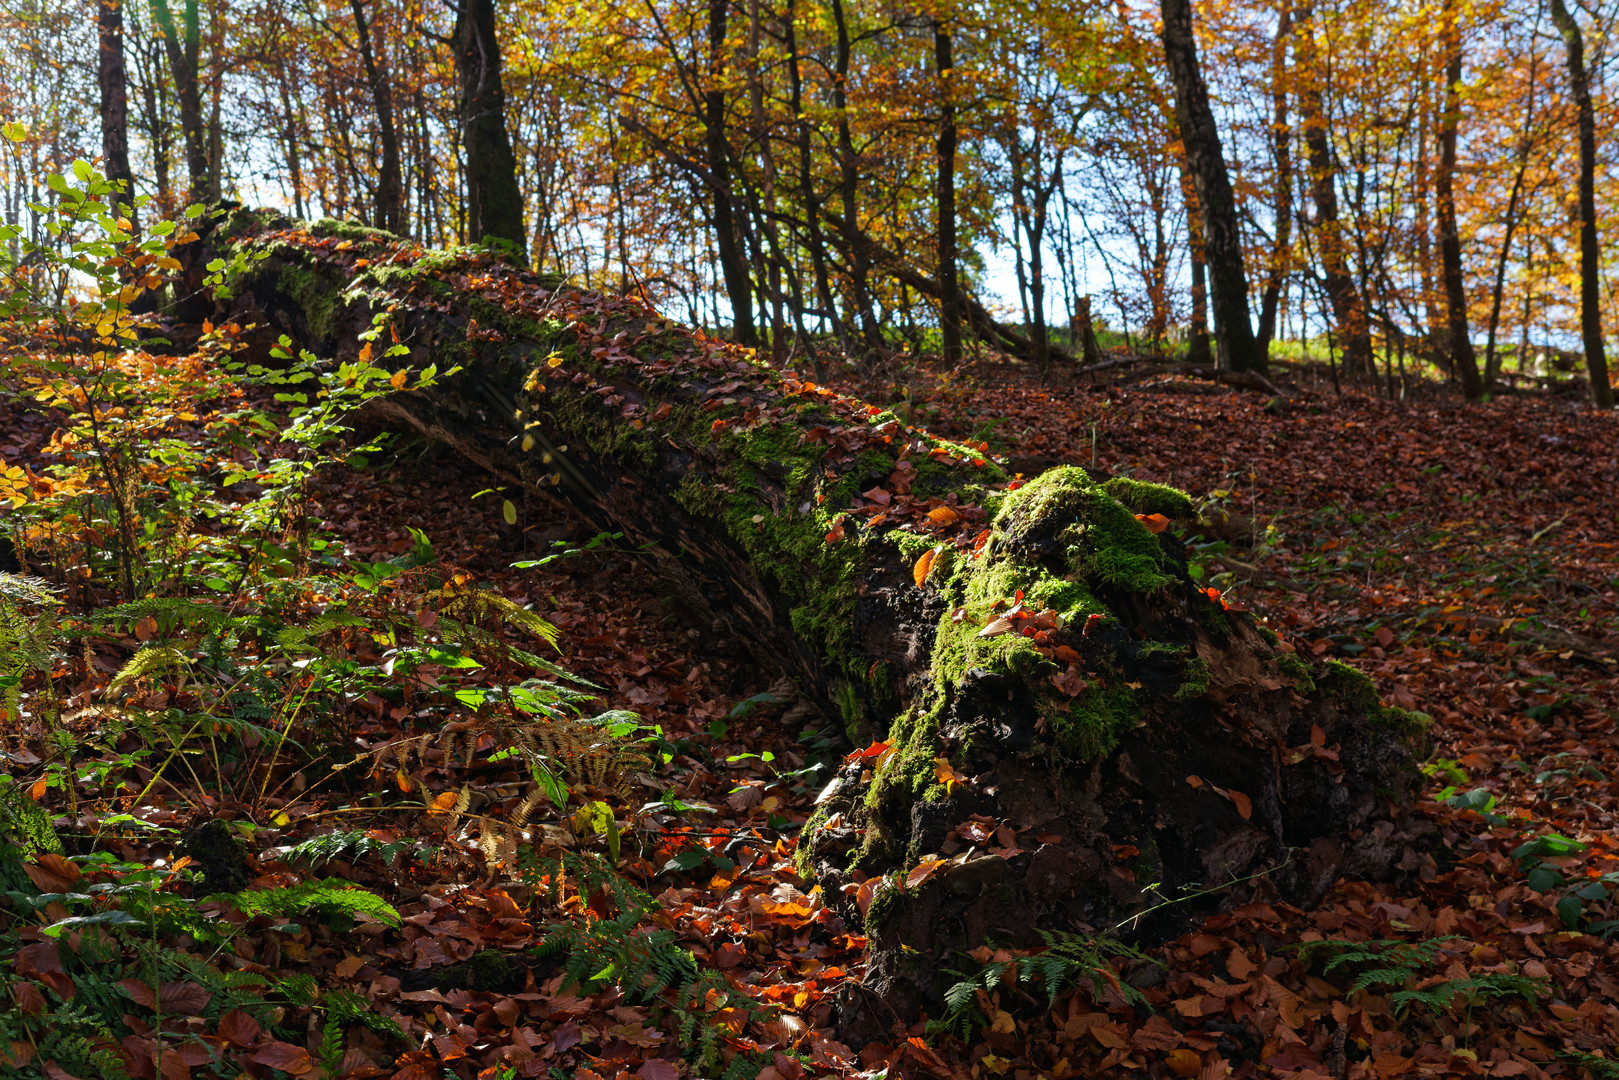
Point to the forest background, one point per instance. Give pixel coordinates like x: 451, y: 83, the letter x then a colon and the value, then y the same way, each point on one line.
x: 1408, y: 173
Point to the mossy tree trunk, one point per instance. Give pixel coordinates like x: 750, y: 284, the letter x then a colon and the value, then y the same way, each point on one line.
x: 1076, y: 731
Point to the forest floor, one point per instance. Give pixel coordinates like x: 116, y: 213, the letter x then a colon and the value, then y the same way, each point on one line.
x: 1467, y: 558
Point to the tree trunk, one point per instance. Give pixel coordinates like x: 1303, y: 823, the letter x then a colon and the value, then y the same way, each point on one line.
x: 1197, y: 344
x: 114, y: 87
x: 733, y: 264
x: 1282, y: 195
x: 1457, y: 338
x: 390, y: 193
x: 855, y: 240
x: 949, y: 289
x: 1234, y: 341
x: 1036, y: 652
x: 1348, y: 307
x: 494, y: 208
x: 183, y: 52
x: 1596, y: 362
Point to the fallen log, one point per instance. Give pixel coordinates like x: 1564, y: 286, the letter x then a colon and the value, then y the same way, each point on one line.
x: 1058, y: 729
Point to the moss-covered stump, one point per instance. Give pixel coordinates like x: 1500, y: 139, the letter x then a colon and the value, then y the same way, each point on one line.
x: 1060, y: 730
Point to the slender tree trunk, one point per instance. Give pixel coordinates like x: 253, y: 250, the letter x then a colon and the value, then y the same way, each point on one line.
x: 806, y: 182
x: 1435, y: 333
x: 1282, y: 196
x: 182, y: 45
x: 733, y: 264
x: 949, y: 285
x: 114, y: 86
x: 294, y: 162
x: 854, y: 236
x: 494, y: 204
x: 1348, y: 306
x: 1492, y: 360
x: 1235, y: 345
x: 1197, y: 344
x: 1596, y: 362
x: 1462, y: 359
x: 390, y: 192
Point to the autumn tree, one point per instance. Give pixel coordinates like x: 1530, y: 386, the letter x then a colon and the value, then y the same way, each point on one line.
x: 1235, y: 346
x: 1579, y: 78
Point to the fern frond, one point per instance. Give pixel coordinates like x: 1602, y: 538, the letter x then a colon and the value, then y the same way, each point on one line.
x: 331, y: 894
x: 29, y: 590
x: 169, y: 612
x: 149, y: 659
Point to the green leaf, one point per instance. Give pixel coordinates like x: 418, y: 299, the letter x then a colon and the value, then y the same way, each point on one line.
x: 508, y: 510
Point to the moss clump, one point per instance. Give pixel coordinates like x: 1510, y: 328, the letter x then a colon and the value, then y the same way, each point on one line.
x: 487, y: 970
x: 1408, y: 723
x: 348, y: 230
x: 1351, y: 686
x: 316, y: 297
x: 1145, y: 498
x: 1195, y: 680
x: 1091, y: 725
x: 1100, y: 537
x: 1297, y: 670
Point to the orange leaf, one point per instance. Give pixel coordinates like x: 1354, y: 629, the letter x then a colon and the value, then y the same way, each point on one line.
x: 922, y: 871
x: 1184, y: 1062
x: 1244, y: 805
x: 1155, y: 523
x: 924, y: 564
x: 943, y: 515
x: 398, y: 379
x: 444, y: 803
x: 946, y: 774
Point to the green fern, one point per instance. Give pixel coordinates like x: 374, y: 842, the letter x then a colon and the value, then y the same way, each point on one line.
x: 28, y: 639
x: 151, y: 658
x: 1600, y: 1068
x: 330, y: 895
x: 344, y: 1009
x: 1471, y: 991
x: 1385, y: 963
x: 354, y: 844
x: 169, y: 612
x: 1069, y: 960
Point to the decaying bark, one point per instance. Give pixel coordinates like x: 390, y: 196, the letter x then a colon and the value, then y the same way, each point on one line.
x: 1076, y: 732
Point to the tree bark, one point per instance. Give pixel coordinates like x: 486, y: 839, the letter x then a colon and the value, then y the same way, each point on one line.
x: 1282, y: 195
x: 494, y: 207
x: 390, y: 195
x: 1596, y: 362
x: 183, y: 53
x: 949, y: 289
x: 733, y: 264
x: 1348, y: 307
x: 855, y: 241
x: 114, y: 86
x: 1197, y: 345
x: 1235, y: 345
x: 1032, y: 652
x: 1458, y: 341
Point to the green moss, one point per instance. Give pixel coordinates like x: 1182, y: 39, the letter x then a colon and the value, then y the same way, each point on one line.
x: 1090, y: 726
x: 1144, y: 498
x: 1296, y: 669
x: 852, y: 712
x: 883, y: 905
x: 1408, y: 723
x: 1196, y: 680
x: 348, y: 230
x: 1102, y: 539
x: 1351, y: 686
x: 319, y: 300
